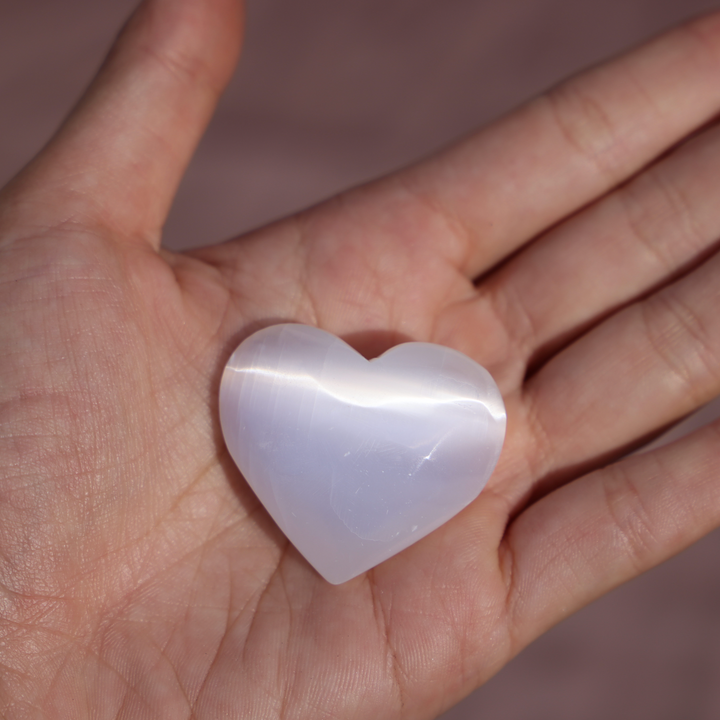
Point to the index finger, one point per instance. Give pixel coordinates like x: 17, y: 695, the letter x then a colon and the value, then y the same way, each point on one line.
x: 508, y: 183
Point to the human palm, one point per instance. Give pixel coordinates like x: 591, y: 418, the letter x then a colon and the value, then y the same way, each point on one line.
x: 140, y: 577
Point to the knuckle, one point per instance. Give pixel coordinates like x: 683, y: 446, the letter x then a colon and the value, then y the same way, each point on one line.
x: 631, y: 520
x: 584, y: 123
x: 660, y: 217
x: 686, y: 342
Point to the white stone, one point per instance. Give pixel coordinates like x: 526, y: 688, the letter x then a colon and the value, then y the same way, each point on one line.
x: 355, y: 460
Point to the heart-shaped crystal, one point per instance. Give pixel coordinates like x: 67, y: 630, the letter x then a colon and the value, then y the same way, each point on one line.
x: 356, y: 460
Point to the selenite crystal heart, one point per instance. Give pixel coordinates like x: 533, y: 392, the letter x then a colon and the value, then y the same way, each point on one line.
x: 356, y: 460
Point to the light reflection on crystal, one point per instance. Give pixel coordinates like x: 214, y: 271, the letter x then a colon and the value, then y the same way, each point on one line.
x: 357, y: 460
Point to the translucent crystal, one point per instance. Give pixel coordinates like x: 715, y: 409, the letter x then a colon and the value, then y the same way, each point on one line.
x: 355, y: 460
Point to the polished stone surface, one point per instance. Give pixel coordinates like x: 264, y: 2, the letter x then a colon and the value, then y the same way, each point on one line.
x: 354, y: 459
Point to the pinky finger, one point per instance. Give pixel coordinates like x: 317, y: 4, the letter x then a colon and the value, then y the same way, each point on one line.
x: 591, y: 535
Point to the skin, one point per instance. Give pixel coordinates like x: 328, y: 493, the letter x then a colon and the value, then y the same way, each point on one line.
x: 570, y: 248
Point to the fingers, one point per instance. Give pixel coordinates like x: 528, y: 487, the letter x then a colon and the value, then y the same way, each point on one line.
x: 639, y: 237
x: 552, y: 157
x: 646, y: 367
x: 598, y: 532
x: 119, y: 157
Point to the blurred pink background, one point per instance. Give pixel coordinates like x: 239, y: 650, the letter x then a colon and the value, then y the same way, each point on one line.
x: 330, y: 93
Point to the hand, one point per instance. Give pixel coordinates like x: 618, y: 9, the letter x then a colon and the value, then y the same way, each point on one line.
x: 139, y: 577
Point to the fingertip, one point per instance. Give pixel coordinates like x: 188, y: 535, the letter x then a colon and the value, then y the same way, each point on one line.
x: 200, y: 40
x: 119, y: 157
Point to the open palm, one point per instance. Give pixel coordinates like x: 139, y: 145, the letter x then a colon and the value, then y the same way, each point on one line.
x: 140, y: 577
